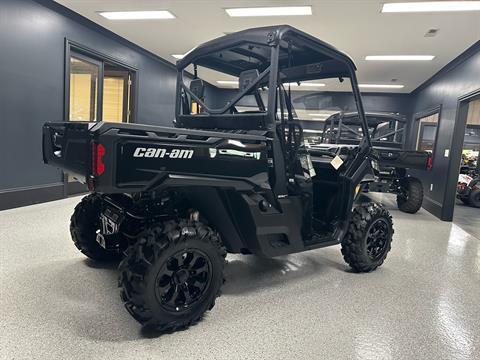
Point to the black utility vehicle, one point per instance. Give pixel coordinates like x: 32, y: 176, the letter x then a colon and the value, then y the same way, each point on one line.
x: 171, y: 202
x: 387, y: 134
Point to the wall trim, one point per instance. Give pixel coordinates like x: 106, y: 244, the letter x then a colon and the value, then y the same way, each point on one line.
x: 28, y: 195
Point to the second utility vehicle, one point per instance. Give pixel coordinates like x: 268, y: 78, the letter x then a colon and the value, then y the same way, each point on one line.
x: 170, y: 202
x: 387, y: 133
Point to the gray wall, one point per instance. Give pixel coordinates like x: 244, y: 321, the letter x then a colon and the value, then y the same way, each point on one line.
x: 32, y: 45
x: 459, y: 78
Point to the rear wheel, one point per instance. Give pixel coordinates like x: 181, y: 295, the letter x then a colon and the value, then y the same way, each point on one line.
x: 369, y: 237
x: 172, y: 275
x: 411, y: 198
x: 474, y: 198
x: 84, y: 224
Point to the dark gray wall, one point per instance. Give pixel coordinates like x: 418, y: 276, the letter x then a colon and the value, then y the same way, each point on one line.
x: 459, y: 78
x: 32, y: 46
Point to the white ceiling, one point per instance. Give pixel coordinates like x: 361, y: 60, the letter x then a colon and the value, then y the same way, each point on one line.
x: 354, y: 26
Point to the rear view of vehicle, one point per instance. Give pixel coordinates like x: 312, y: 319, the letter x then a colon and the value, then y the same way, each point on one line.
x: 231, y: 176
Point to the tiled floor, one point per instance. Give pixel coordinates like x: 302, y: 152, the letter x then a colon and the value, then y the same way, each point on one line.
x: 423, y: 303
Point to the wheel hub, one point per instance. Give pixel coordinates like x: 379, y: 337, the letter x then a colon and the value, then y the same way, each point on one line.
x: 183, y: 280
x: 377, y: 238
x: 180, y: 276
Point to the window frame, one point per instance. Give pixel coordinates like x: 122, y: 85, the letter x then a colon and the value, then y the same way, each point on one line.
x: 75, y: 49
x: 417, y: 120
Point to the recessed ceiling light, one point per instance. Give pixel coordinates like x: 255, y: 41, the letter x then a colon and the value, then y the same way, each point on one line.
x: 178, y: 56
x: 380, y: 86
x: 431, y: 6
x: 306, y: 84
x: 270, y: 11
x: 400, y: 57
x: 227, y: 82
x: 322, y: 114
x: 137, y: 15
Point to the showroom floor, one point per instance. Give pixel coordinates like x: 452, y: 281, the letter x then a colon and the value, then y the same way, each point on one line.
x: 422, y: 304
x: 468, y: 218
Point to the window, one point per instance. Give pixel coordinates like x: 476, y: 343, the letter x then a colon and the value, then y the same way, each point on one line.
x: 84, y: 76
x: 97, y: 88
x: 427, y: 132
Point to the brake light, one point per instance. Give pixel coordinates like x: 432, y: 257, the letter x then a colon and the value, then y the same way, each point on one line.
x: 429, y: 162
x: 98, y: 152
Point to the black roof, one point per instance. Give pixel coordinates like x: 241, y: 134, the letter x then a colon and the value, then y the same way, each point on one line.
x: 247, y: 49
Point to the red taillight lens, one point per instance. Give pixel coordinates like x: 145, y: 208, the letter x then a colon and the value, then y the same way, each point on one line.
x: 98, y: 152
x: 429, y: 162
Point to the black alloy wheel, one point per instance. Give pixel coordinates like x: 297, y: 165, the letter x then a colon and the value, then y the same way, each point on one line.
x: 183, y: 279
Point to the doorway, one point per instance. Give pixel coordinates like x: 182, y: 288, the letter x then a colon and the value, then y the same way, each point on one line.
x: 467, y: 203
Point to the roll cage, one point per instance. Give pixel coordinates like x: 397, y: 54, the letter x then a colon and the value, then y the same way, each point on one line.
x: 264, y: 58
x: 384, y: 129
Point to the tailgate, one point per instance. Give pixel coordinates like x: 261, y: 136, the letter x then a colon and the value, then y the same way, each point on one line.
x: 404, y: 158
x: 66, y: 145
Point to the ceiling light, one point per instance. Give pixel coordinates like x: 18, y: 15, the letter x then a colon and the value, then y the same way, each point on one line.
x: 322, y: 114
x: 431, y: 6
x: 137, y: 15
x: 178, y: 56
x: 306, y: 84
x: 400, y: 57
x: 270, y: 11
x: 380, y: 86
x: 227, y: 82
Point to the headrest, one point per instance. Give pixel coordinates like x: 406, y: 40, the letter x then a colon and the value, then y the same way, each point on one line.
x: 197, y: 87
x: 246, y: 78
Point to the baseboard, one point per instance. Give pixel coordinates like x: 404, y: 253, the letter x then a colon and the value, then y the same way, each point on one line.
x: 29, y: 195
x: 432, y: 206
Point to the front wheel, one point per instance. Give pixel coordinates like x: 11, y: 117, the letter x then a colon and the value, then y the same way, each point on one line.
x: 172, y: 274
x: 369, y: 237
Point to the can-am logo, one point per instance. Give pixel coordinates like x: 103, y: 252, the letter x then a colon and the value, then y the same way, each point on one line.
x: 161, y: 153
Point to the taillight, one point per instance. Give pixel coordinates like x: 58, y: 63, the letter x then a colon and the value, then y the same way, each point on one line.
x: 98, y: 152
x: 429, y: 162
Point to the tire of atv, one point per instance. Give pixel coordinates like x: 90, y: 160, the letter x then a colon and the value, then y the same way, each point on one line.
x: 172, y: 275
x: 369, y: 237
x: 411, y: 202
x: 465, y: 201
x: 84, y: 224
x: 474, y: 198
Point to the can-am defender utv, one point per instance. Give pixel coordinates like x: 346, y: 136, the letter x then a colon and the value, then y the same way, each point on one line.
x: 387, y: 135
x: 171, y: 202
